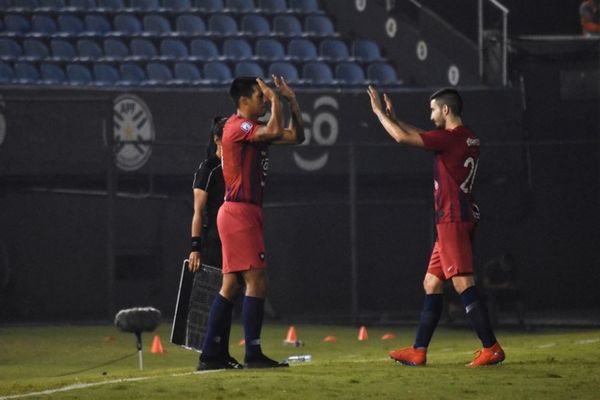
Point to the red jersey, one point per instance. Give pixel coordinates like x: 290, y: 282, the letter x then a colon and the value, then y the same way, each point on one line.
x: 454, y: 169
x: 245, y: 161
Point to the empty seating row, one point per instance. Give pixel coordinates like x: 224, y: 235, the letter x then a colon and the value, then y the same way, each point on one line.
x: 214, y: 72
x: 278, y: 6
x: 153, y: 24
x: 265, y: 49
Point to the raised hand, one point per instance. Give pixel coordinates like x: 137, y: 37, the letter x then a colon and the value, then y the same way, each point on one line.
x: 389, y: 107
x: 375, y: 101
x: 283, y: 87
x: 266, y: 90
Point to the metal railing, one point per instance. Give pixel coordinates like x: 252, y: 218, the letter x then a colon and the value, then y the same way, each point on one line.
x: 504, y: 11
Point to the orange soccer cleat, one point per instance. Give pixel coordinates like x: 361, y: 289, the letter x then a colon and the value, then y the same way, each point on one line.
x: 488, y: 356
x: 410, y: 356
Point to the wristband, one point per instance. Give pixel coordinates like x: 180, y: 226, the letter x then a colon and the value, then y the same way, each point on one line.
x: 196, y: 243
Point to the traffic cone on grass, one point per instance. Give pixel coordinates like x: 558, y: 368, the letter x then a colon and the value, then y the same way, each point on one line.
x: 157, y: 345
x: 362, y: 334
x: 292, y: 338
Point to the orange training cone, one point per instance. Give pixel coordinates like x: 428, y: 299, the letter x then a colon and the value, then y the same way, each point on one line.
x: 388, y: 336
x: 242, y: 342
x: 157, y: 345
x: 291, y: 336
x: 330, y: 339
x: 362, y: 333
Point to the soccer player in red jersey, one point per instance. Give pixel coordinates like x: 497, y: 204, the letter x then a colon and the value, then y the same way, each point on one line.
x: 245, y: 162
x: 456, y: 155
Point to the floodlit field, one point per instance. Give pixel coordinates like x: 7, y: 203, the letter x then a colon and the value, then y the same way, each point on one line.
x: 77, y: 362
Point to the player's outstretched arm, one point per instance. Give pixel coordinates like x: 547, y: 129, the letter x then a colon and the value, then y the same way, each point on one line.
x: 200, y: 198
x: 294, y: 133
x: 273, y: 130
x: 401, y: 132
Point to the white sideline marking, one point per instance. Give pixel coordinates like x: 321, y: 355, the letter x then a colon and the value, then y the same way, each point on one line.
x: 546, y: 346
x: 587, y: 341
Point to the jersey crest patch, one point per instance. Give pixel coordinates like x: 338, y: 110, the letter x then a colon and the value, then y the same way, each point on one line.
x: 246, y: 126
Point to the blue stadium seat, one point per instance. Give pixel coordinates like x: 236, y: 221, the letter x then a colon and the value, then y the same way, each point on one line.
x: 257, y: 25
x: 318, y: 25
x: 26, y: 72
x: 5, y: 4
x: 269, y: 49
x: 304, y: 6
x: 366, y: 50
x: 317, y: 72
x: 111, y: 4
x: 54, y: 5
x: 349, y: 73
x: 7, y: 75
x: 158, y: 73
x: 190, y: 24
x: 285, y: 69
x: 382, y: 73
x: 35, y: 49
x: 204, y: 49
x: 217, y: 72
x: 132, y: 74
x: 302, y: 50
x: 9, y: 49
x: 106, y: 74
x: 210, y: 5
x: 89, y: 49
x: 79, y: 74
x: 62, y: 50
x: 272, y: 5
x: 145, y: 5
x: 248, y: 68
x: 334, y: 50
x: 43, y: 24
x: 70, y: 24
x: 143, y: 49
x: 115, y: 49
x: 16, y: 23
x: 96, y: 24
x: 187, y: 72
x: 157, y: 25
x: 82, y: 4
x: 222, y: 24
x: 26, y: 4
x: 240, y: 5
x: 128, y: 24
x: 177, y: 5
x: 237, y: 49
x: 173, y: 49
x: 287, y: 25
x: 52, y: 74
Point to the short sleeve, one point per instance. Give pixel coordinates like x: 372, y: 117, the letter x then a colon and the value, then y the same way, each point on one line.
x: 201, y: 176
x: 436, y: 140
x: 245, y: 130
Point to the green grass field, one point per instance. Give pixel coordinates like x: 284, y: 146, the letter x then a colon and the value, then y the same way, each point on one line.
x: 550, y: 364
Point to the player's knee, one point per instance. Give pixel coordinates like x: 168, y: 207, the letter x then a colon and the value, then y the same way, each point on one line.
x: 432, y: 284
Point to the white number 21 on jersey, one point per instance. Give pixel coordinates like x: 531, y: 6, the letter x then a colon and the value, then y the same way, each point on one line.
x: 467, y: 185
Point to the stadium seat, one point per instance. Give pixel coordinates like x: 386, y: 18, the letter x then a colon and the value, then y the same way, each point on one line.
x: 382, y: 73
x: 106, y: 74
x: 287, y: 25
x: 222, y: 24
x: 9, y: 49
x: 272, y: 5
x: 304, y: 6
x: 248, y: 68
x: 204, y: 49
x: 97, y: 24
x: 54, y: 5
x: 4, y: 5
x: 82, y: 4
x: 26, y: 72
x: 237, y: 49
x: 26, y: 4
x: 187, y: 72
x: 190, y: 24
x: 240, y: 5
x: 318, y: 25
x: 62, y: 50
x: 7, y: 75
x: 257, y: 25
x: 89, y: 49
x: 132, y: 74
x: 43, y: 24
x: 349, y: 73
x: 143, y: 49
x: 115, y: 49
x: 35, y: 49
x: 52, y: 74
x: 70, y: 24
x: 302, y: 49
x: 173, y: 49
x: 145, y: 5
x: 177, y: 5
x: 158, y: 73
x: 210, y: 5
x: 157, y: 25
x: 317, y: 72
x: 334, y: 50
x: 111, y: 4
x: 16, y: 23
x: 269, y: 49
x: 285, y: 69
x: 366, y: 50
x: 217, y: 72
x: 128, y: 24
x: 79, y: 74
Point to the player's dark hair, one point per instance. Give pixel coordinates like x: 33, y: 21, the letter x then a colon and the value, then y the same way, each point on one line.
x: 450, y: 98
x: 242, y: 86
x: 216, y: 129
